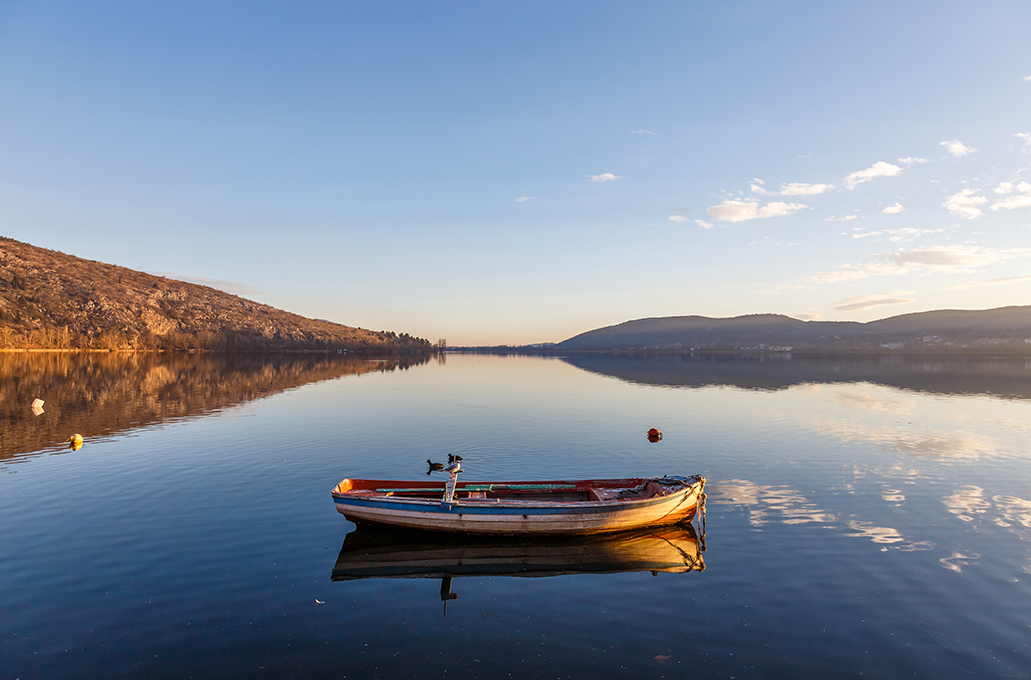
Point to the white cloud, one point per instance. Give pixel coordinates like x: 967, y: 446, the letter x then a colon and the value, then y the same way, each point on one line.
x: 953, y: 258
x: 859, y: 304
x: 893, y: 209
x: 760, y: 190
x: 1027, y: 78
x: 964, y: 204
x: 1004, y: 188
x: 800, y: 189
x: 1026, y: 136
x: 896, y: 235
x: 740, y: 211
x: 910, y: 160
x: 808, y: 316
x: 703, y: 223
x: 523, y: 199
x: 957, y: 148
x: 941, y: 259
x: 677, y: 218
x: 990, y: 282
x: 644, y: 132
x: 846, y: 218
x: 878, y: 169
x: 852, y: 272
x: 604, y: 177
x: 1021, y: 200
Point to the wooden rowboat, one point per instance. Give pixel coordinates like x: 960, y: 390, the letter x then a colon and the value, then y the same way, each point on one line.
x: 516, y: 508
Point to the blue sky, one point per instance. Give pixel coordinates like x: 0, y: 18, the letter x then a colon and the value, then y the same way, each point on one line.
x: 494, y: 173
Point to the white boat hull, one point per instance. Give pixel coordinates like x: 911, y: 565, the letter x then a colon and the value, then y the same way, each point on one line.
x: 486, y: 516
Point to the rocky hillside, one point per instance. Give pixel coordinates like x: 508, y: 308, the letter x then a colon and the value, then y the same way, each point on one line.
x: 57, y: 301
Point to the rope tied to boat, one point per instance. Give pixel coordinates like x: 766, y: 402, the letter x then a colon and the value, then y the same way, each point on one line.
x: 701, y: 521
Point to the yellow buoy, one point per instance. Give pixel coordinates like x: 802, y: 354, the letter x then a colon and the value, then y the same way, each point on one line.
x: 75, y: 442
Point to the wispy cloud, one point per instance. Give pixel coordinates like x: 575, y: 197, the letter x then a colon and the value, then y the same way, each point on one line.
x: 1027, y: 78
x: 228, y: 286
x: 680, y: 214
x: 808, y: 316
x: 878, y: 169
x: 893, y: 209
x: 740, y: 211
x: 757, y: 188
x: 990, y: 282
x: 683, y: 218
x: 800, y: 189
x: 1020, y: 200
x: 957, y: 148
x: 1026, y: 136
x: 858, y: 304
x: 910, y: 160
x: 523, y: 199
x: 941, y: 259
x: 644, y: 132
x: 954, y: 258
x: 964, y: 204
x: 604, y: 177
x: 846, y: 218
x: 896, y: 235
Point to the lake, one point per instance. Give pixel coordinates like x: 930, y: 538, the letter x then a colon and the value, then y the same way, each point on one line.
x: 867, y: 516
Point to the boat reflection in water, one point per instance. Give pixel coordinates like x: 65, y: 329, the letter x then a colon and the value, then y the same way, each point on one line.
x: 397, y: 553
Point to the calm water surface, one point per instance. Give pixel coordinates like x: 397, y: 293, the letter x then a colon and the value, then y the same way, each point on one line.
x: 866, y: 517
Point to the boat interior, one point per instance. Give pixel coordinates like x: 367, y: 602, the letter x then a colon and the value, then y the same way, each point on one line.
x: 549, y: 492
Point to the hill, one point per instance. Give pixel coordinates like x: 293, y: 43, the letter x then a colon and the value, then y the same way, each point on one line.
x: 50, y: 300
x: 1005, y: 328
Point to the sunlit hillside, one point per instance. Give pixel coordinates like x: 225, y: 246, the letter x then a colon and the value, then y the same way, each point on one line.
x: 52, y: 300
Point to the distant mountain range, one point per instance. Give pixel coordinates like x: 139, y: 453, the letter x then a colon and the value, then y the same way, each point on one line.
x: 50, y: 300
x: 1002, y: 329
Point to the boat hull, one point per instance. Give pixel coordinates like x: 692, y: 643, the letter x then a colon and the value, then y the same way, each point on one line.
x: 522, y: 517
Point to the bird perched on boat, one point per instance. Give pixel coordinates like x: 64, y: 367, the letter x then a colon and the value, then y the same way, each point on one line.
x: 454, y: 465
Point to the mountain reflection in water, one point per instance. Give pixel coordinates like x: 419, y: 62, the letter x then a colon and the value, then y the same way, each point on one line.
x: 99, y: 395
x: 1007, y: 377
